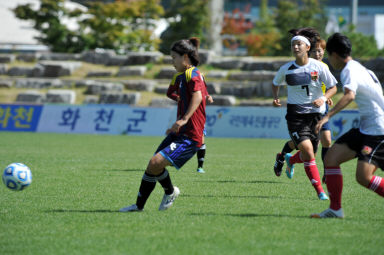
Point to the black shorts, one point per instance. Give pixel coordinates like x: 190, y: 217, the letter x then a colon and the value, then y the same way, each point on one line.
x: 302, y: 127
x: 368, y: 148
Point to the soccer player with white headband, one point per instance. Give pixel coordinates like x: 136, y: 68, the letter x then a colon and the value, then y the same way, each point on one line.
x: 317, y: 53
x: 305, y: 102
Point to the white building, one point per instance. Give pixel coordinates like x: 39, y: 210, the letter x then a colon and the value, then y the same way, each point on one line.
x: 372, y: 25
x: 16, y: 34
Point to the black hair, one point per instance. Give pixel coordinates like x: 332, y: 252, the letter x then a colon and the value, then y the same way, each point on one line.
x: 308, y: 32
x: 339, y: 44
x: 188, y: 46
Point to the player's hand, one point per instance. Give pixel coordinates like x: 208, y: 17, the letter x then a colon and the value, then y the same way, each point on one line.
x: 176, y: 126
x: 321, y: 123
x: 276, y: 102
x: 330, y: 102
x: 210, y: 99
x: 318, y: 102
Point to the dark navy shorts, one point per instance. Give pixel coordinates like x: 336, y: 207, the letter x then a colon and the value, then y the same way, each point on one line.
x: 325, y: 127
x: 177, y: 149
x: 368, y: 148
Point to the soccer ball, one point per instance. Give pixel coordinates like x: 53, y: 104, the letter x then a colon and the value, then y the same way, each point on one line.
x: 17, y: 176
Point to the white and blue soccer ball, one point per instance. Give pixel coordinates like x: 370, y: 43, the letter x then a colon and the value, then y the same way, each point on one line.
x: 17, y: 176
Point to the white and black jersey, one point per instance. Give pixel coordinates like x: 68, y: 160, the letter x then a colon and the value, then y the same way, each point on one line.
x: 368, y: 96
x: 304, y: 85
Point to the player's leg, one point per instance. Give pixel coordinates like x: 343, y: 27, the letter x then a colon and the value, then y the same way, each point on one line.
x: 370, y: 158
x: 326, y: 142
x: 365, y: 177
x: 337, y: 154
x: 177, y: 153
x: 155, y: 172
x: 280, y: 157
x: 291, y: 160
x: 300, y: 128
x: 201, y: 158
x: 308, y: 157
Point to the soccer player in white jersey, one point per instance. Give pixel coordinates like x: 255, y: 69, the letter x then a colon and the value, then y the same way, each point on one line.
x: 317, y: 53
x: 306, y: 102
x: 366, y: 142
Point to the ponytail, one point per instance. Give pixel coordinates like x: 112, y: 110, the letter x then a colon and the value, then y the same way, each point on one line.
x: 189, y: 47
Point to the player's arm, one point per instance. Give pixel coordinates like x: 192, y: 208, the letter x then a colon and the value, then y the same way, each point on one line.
x: 171, y: 93
x: 209, y: 99
x: 277, y: 81
x: 328, y: 94
x: 194, y: 104
x: 345, y: 100
x: 275, y: 93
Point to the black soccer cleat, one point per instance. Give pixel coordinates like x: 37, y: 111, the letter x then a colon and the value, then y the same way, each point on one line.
x: 279, y: 163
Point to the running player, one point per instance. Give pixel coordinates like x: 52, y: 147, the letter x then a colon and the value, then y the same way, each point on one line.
x: 366, y: 142
x: 185, y: 136
x: 325, y: 133
x: 306, y: 102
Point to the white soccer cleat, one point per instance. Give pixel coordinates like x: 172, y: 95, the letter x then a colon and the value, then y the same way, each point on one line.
x: 168, y: 199
x: 329, y: 213
x: 131, y: 208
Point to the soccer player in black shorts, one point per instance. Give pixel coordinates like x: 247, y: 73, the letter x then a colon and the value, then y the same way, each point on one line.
x: 365, y: 143
x: 305, y: 103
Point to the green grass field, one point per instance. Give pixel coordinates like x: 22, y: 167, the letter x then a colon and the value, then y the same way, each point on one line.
x: 237, y: 207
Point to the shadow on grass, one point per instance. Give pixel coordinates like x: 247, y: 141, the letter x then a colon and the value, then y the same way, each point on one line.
x: 249, y: 215
x: 126, y: 170
x: 81, y: 211
x: 256, y: 215
x: 241, y: 181
x: 232, y: 196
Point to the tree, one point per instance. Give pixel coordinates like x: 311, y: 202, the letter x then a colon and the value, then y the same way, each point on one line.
x: 235, y: 27
x: 291, y: 14
x: 120, y: 25
x: 187, y: 18
x: 48, y: 21
x: 265, y: 23
x: 363, y: 45
x: 264, y: 37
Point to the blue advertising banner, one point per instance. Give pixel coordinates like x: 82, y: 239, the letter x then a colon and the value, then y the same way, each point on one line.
x: 241, y: 122
x: 260, y: 122
x: 17, y: 117
x: 344, y: 121
x: 265, y: 122
x: 104, y: 119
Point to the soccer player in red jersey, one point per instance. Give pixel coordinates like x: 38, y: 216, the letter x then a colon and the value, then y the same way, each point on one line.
x: 173, y: 93
x: 185, y: 136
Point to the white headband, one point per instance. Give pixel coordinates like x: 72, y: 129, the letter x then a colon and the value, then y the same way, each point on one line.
x: 301, y: 38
